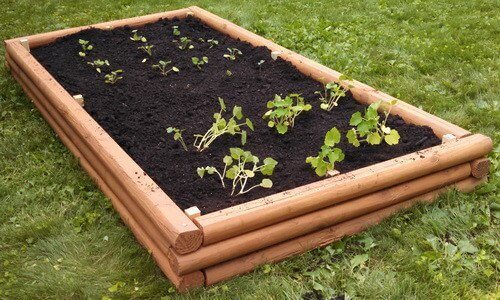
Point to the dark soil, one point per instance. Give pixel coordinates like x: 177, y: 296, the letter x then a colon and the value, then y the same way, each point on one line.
x: 137, y: 110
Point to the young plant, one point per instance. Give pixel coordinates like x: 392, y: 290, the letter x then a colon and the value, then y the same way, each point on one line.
x: 283, y: 112
x: 184, y: 43
x: 163, y: 67
x: 331, y: 95
x: 229, y: 73
x: 86, y: 47
x: 113, y: 77
x: 260, y: 63
x: 147, y: 49
x: 137, y: 38
x: 222, y: 126
x: 97, y: 64
x: 370, y: 129
x: 176, y: 31
x: 178, y: 136
x: 240, y: 166
x: 328, y: 155
x: 233, y: 52
x: 199, y: 62
x: 212, y: 42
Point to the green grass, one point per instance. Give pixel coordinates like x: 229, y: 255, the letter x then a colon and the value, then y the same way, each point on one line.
x: 60, y: 238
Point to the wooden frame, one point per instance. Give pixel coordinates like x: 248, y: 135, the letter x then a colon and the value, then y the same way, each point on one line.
x: 194, y: 249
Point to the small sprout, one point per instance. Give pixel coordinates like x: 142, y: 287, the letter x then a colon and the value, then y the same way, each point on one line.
x: 98, y: 64
x: 86, y: 47
x: 331, y: 95
x: 282, y: 112
x: 260, y: 64
x: 184, y: 43
x: 236, y: 169
x: 229, y: 73
x: 212, y: 42
x: 199, y: 62
x: 147, y: 49
x: 233, y: 52
x: 176, y: 31
x: 162, y: 66
x: 113, y: 77
x: 137, y: 38
x: 178, y: 136
x: 328, y: 152
x: 370, y: 128
x: 222, y: 126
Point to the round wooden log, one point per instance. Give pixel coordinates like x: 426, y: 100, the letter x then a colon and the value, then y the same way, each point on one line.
x: 252, y: 241
x: 175, y: 226
x: 41, y: 39
x: 320, y: 238
x: 236, y: 220
x: 182, y: 283
x: 480, y: 167
x: 360, y: 91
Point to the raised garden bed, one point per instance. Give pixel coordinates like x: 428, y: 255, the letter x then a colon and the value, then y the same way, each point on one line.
x: 120, y: 136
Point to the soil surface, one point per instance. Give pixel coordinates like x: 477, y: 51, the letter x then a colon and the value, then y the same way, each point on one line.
x: 137, y: 110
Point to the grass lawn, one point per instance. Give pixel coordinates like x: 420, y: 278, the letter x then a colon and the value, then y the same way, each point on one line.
x: 60, y: 237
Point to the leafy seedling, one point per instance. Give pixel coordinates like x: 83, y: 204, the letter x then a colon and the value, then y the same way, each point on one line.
x: 233, y: 52
x: 328, y: 155
x: 199, y: 62
x: 221, y: 126
x: 113, y: 77
x: 184, y: 43
x: 86, y: 47
x: 97, y: 64
x: 147, y: 49
x: 283, y: 112
x: 229, y: 73
x: 212, y: 42
x: 178, y: 136
x: 260, y: 63
x: 331, y: 95
x: 176, y: 31
x: 163, y: 67
x: 137, y: 38
x: 239, y: 167
x: 368, y: 127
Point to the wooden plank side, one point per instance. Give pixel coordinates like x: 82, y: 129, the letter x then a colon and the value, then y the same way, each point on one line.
x: 320, y: 238
x: 175, y: 226
x: 258, y: 239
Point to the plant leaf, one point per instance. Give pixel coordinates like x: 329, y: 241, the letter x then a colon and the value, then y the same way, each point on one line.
x: 266, y: 183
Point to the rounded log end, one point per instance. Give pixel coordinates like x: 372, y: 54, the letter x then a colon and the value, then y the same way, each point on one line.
x: 188, y: 241
x: 480, y: 167
x: 191, y: 281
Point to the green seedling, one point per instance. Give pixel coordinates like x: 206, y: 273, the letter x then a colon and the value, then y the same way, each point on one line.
x: 212, y: 42
x: 331, y: 95
x: 199, y: 62
x: 86, y: 47
x: 328, y: 155
x: 178, y: 136
x: 147, y: 49
x: 283, y: 112
x: 113, y: 77
x: 137, y: 38
x: 239, y: 167
x: 370, y: 129
x: 163, y: 67
x: 229, y: 73
x: 97, y: 64
x: 233, y: 52
x: 222, y: 126
x: 184, y: 43
x: 176, y: 31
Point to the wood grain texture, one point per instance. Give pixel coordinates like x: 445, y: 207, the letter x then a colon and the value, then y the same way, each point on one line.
x: 321, y: 238
x: 252, y: 241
